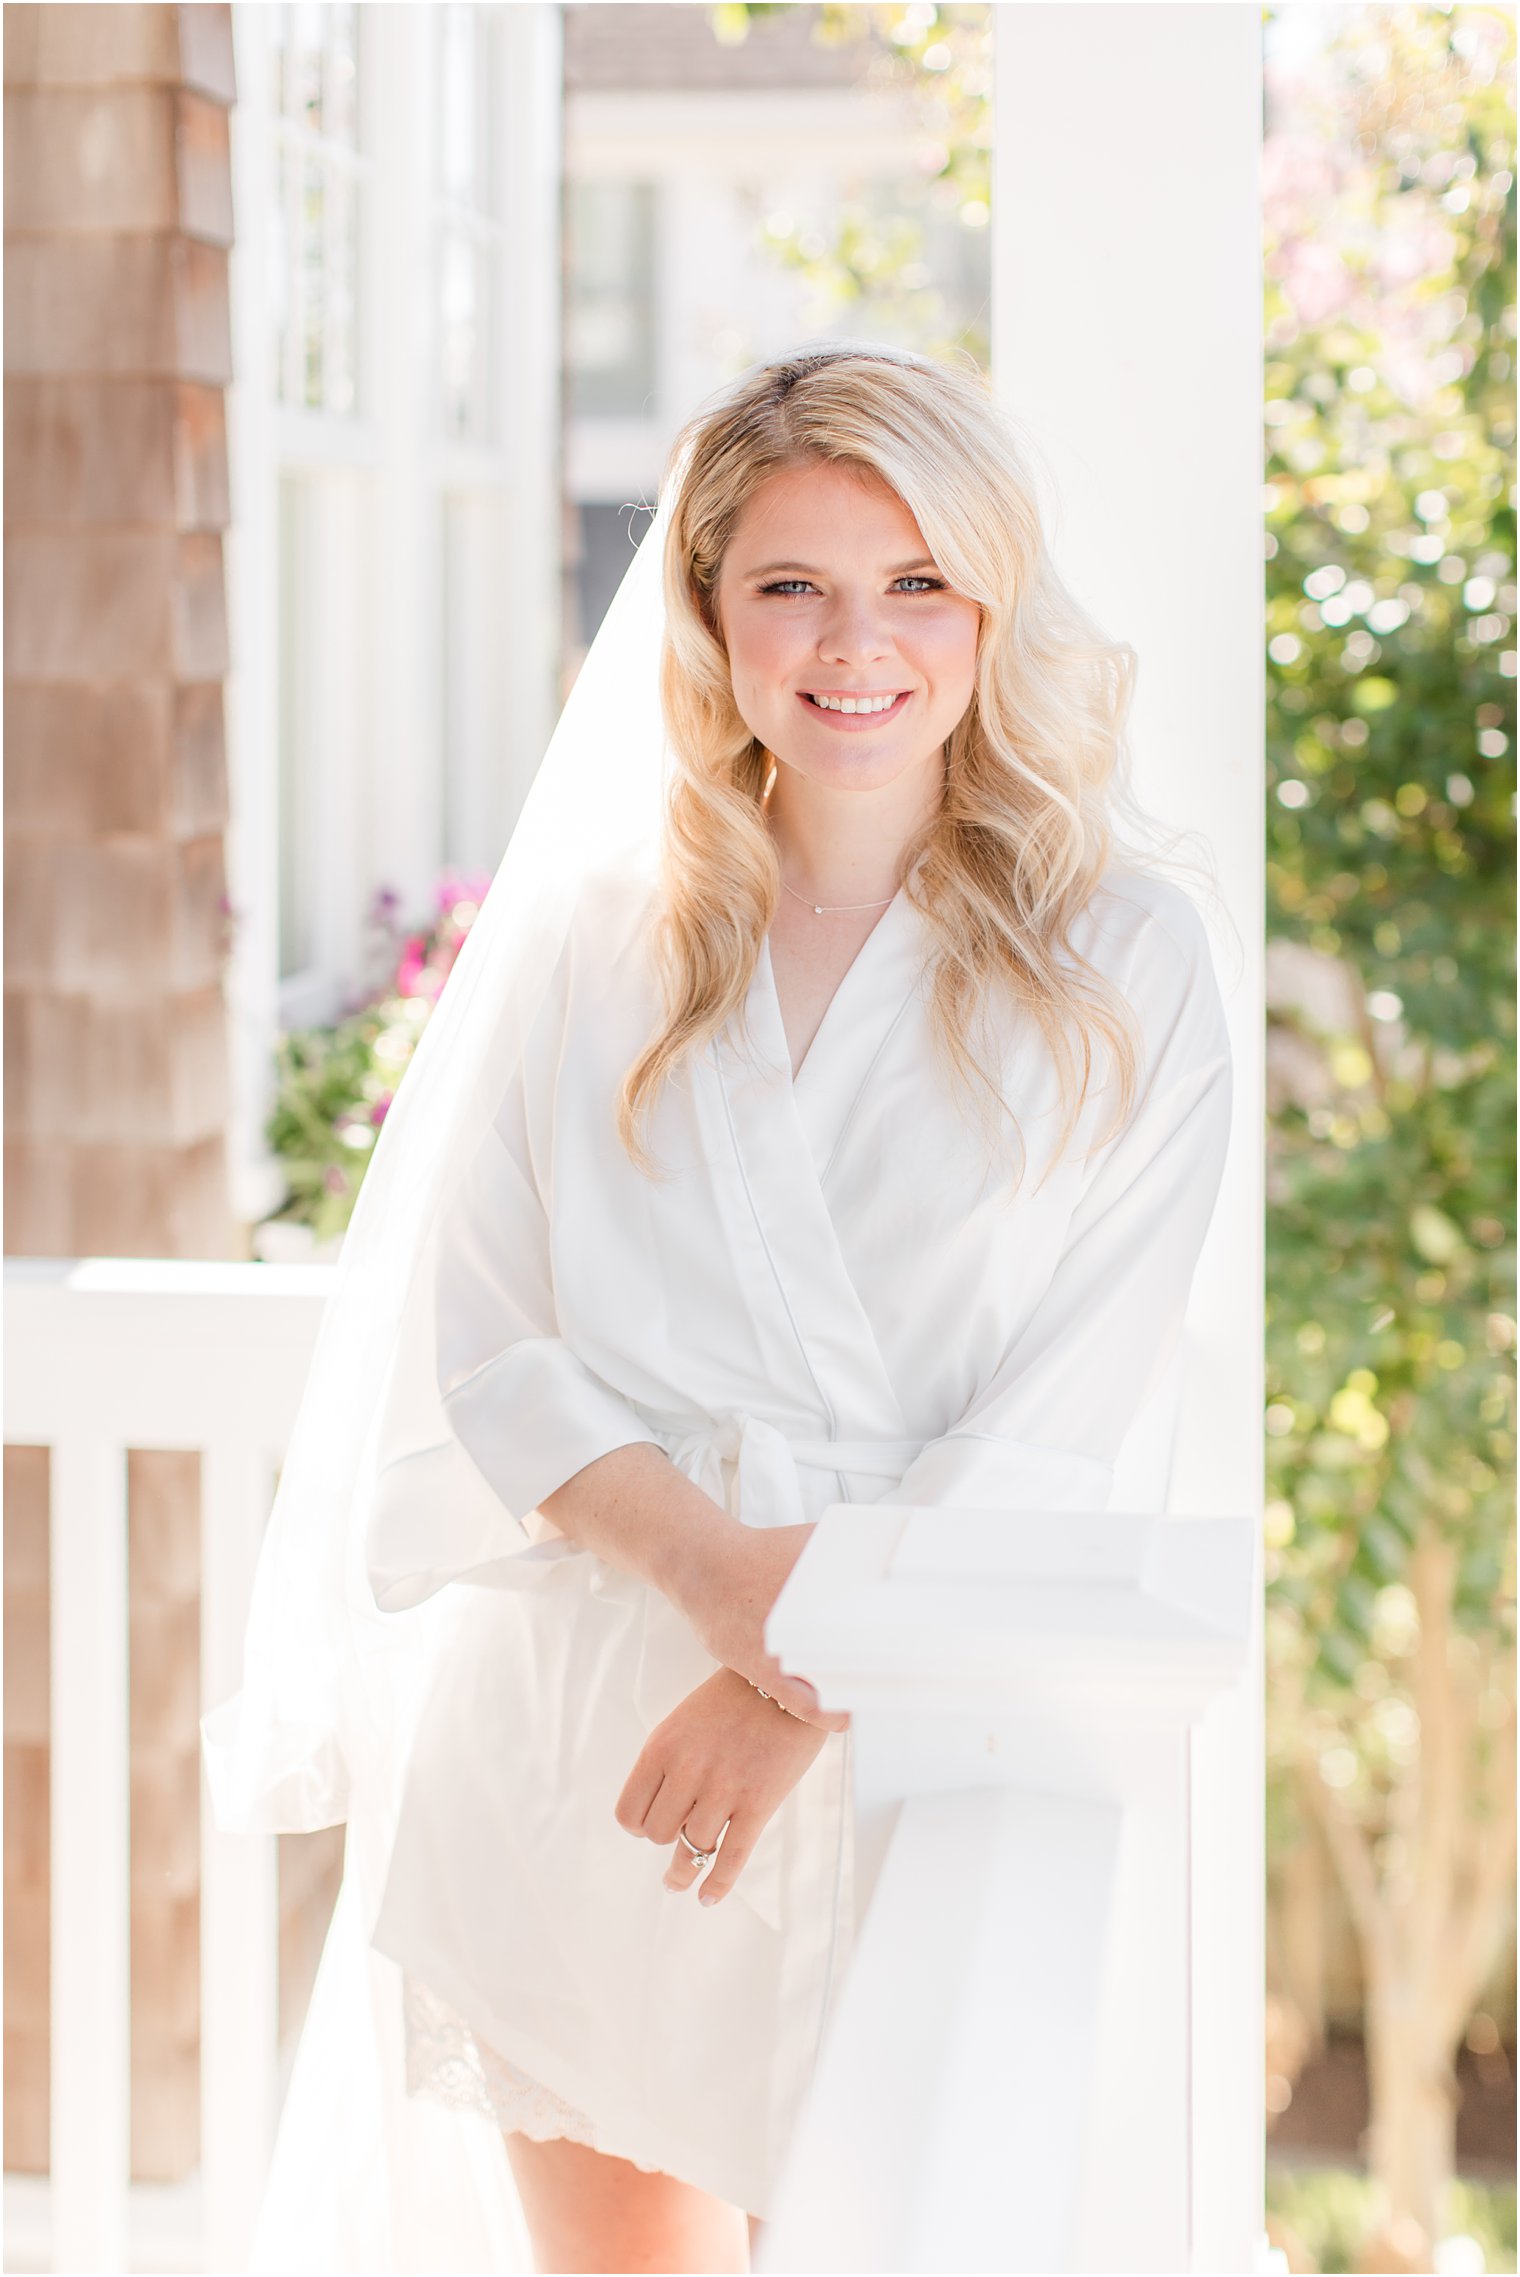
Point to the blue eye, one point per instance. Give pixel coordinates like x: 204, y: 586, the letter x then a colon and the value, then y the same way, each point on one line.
x: 924, y: 584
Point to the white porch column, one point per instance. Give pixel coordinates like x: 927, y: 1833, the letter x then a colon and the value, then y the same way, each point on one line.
x: 1126, y: 338
x: 1126, y: 335
x: 1009, y: 2080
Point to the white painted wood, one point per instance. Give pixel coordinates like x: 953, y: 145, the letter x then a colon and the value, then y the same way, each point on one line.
x: 400, y: 570
x: 90, y: 2097
x: 164, y: 2228
x: 157, y: 1353
x: 1126, y: 336
x: 249, y: 549
x: 1228, y: 1898
x: 103, y: 1354
x: 527, y: 597
x: 240, y: 1922
x: 1024, y: 1685
x: 971, y: 2179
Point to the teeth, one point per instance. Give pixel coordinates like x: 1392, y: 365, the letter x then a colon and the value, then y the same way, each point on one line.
x: 853, y: 703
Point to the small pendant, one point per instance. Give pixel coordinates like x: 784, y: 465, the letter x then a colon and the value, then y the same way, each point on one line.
x: 817, y: 912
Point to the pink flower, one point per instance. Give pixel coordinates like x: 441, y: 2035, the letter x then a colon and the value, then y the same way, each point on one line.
x: 457, y: 886
x: 378, y: 1110
x: 411, y: 967
x: 1315, y: 279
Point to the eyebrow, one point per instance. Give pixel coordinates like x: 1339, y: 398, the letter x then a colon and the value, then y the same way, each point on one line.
x: 802, y: 568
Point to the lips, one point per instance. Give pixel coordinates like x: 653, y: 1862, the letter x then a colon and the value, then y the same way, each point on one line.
x: 854, y: 720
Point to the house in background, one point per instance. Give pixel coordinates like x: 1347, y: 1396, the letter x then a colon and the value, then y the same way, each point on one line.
x: 462, y: 230
x: 679, y: 150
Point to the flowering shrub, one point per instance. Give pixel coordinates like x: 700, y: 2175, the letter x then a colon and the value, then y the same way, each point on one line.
x: 335, y: 1084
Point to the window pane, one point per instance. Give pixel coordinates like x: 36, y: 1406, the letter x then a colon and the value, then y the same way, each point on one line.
x: 315, y: 244
x: 464, y: 337
x: 297, y: 835
x: 341, y: 280
x: 281, y: 240
x: 304, y: 85
x: 610, y: 535
x: 459, y: 693
x: 279, y: 59
x: 610, y: 320
x: 312, y: 270
x: 342, y: 106
x: 459, y: 81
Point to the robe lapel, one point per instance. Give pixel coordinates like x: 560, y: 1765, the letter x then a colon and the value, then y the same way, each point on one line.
x: 781, y: 1138
x: 861, y: 1017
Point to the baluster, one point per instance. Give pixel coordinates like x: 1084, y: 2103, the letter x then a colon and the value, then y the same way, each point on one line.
x: 239, y: 1883
x: 91, y: 1971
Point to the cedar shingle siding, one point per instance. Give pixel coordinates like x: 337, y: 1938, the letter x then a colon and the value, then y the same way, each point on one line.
x: 118, y: 219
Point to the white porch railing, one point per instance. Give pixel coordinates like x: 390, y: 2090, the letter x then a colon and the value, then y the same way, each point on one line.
x: 1047, y: 2051
x: 102, y: 1355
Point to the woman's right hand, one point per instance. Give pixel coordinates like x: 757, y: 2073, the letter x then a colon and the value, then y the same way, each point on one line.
x: 726, y: 1597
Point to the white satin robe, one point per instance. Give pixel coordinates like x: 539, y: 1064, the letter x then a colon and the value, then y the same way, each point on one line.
x: 829, y: 1298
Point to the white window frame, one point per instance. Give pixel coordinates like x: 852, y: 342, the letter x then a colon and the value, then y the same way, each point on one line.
x: 379, y: 481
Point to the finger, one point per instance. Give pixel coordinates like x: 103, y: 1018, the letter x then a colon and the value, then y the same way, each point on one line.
x: 651, y: 1809
x: 669, y: 1810
x: 683, y: 1868
x: 639, y: 1791
x: 738, y: 1842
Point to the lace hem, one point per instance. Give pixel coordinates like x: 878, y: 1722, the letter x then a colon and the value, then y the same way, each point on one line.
x: 447, y: 2064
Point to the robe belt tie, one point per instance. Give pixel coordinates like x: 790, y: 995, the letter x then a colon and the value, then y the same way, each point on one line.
x: 750, y: 1466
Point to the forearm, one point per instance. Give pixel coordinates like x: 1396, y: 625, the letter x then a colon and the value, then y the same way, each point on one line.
x: 636, y: 1510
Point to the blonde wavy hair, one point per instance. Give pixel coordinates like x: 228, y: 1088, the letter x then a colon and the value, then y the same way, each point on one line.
x: 1036, y: 769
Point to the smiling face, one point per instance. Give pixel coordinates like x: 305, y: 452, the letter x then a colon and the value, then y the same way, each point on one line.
x: 851, y: 659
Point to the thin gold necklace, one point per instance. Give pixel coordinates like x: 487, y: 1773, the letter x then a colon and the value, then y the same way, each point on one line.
x: 838, y: 909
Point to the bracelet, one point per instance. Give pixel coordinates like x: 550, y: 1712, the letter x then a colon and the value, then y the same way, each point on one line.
x: 781, y: 1704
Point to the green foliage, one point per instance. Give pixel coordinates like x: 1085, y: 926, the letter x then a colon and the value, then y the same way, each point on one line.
x: 1327, y: 2211
x: 1390, y: 724
x: 876, y: 259
x: 335, y: 1084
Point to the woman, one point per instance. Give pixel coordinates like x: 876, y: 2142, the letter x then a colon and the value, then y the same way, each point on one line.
x: 858, y: 1145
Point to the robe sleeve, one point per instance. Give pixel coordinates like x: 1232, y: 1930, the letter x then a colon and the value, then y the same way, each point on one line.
x: 1045, y: 1430
x: 522, y: 1403
x: 526, y: 1409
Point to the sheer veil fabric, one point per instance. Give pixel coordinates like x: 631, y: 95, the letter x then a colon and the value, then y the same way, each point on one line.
x: 336, y: 1663
x: 830, y: 1299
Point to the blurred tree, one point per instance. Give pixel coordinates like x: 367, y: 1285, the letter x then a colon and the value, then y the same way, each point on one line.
x: 875, y: 260
x: 1390, y: 250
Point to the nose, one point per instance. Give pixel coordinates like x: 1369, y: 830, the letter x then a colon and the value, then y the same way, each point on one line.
x: 855, y: 631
